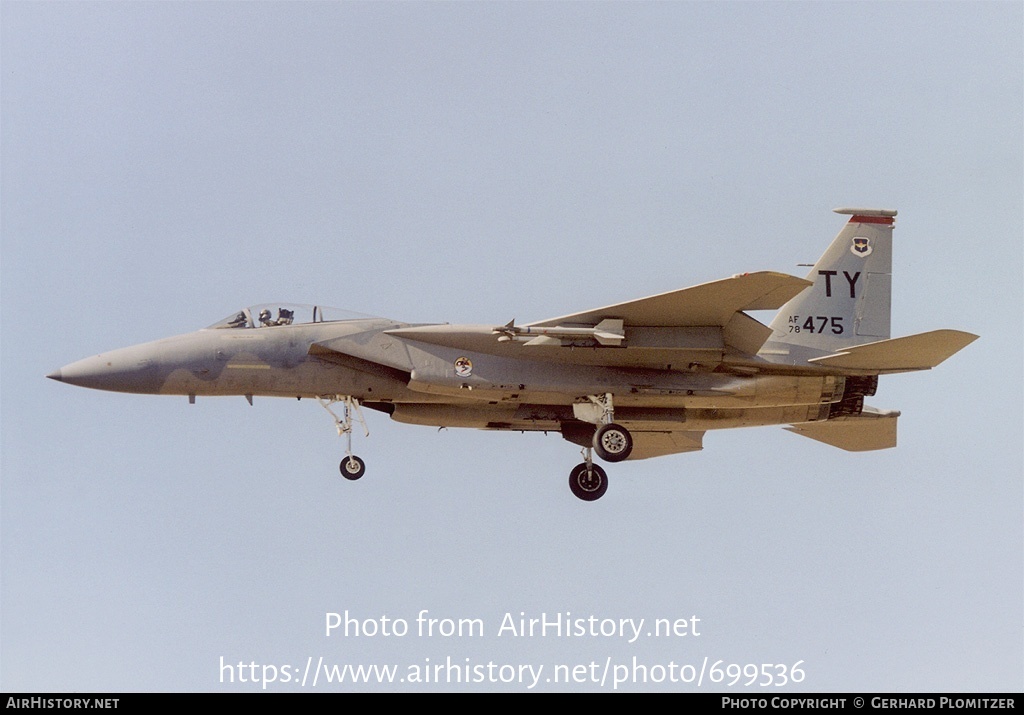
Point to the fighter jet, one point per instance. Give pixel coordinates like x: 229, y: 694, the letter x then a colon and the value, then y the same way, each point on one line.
x: 635, y: 380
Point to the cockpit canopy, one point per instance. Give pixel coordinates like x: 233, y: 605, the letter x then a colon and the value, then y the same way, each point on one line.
x: 272, y: 314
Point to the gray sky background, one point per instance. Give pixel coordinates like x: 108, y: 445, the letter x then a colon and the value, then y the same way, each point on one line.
x: 164, y: 164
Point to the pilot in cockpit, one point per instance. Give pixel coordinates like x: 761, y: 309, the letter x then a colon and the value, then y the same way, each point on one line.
x: 265, y: 318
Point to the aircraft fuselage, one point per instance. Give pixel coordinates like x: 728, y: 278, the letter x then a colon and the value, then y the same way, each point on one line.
x: 634, y: 380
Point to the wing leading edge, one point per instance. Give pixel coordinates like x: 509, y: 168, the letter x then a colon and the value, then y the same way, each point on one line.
x: 708, y: 304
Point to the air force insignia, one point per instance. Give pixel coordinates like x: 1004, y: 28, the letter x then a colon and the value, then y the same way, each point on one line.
x: 463, y: 367
x: 861, y: 247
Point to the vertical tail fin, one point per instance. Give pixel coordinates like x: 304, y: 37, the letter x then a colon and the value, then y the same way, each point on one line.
x: 849, y: 302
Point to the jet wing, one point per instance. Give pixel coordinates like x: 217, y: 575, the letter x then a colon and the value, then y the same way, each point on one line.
x: 872, y: 429
x: 708, y: 304
x: 696, y: 325
x: 915, y: 352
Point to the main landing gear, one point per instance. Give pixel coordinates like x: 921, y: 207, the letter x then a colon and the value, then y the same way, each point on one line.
x: 588, y: 481
x: 351, y: 467
x: 611, y: 441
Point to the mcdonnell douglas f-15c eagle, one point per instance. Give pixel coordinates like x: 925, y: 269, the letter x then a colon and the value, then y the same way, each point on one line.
x: 639, y: 379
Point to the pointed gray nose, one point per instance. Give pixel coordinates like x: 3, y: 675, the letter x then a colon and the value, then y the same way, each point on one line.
x: 125, y: 370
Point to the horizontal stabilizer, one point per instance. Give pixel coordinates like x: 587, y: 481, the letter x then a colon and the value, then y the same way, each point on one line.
x: 870, y: 430
x: 706, y: 304
x: 658, y: 444
x: 914, y: 352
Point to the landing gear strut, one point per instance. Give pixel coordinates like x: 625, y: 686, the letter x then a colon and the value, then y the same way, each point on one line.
x: 612, y: 442
x: 588, y: 481
x: 351, y: 467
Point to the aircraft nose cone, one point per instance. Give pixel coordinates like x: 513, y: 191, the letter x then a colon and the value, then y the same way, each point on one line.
x: 125, y: 370
x: 91, y: 372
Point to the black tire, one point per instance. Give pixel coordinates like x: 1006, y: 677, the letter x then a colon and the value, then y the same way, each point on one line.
x: 588, y: 486
x: 613, y: 443
x: 352, y: 467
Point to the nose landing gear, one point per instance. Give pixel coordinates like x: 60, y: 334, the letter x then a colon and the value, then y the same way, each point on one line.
x: 351, y: 467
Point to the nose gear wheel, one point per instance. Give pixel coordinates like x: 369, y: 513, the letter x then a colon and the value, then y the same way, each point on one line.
x: 351, y: 467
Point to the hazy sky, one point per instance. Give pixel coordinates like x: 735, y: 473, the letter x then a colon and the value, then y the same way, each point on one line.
x: 164, y: 164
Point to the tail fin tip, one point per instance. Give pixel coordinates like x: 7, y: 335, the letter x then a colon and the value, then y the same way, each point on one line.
x: 890, y: 213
